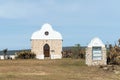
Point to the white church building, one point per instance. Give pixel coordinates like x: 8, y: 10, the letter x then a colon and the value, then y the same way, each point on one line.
x: 47, y: 43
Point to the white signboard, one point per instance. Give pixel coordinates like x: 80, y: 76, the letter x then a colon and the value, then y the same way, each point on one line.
x: 97, y: 53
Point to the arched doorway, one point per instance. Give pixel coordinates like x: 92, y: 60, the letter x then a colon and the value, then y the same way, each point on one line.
x: 46, y: 50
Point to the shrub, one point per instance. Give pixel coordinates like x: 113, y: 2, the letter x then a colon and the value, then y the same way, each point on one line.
x: 113, y: 54
x: 67, y: 54
x: 75, y: 52
x: 117, y: 60
x: 25, y: 55
x: 78, y: 52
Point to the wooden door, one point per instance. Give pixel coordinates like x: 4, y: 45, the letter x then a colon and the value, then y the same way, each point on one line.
x: 46, y: 50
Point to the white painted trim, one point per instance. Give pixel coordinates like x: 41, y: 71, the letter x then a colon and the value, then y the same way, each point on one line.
x: 11, y: 56
x: 41, y: 56
x: 58, y: 56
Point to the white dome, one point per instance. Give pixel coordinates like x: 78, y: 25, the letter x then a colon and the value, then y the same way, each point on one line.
x: 46, y: 32
x: 96, y: 42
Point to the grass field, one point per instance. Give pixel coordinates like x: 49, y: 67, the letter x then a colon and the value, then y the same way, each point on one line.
x: 64, y: 69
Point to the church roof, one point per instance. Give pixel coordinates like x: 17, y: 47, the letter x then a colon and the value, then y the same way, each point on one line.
x: 96, y: 42
x: 46, y: 32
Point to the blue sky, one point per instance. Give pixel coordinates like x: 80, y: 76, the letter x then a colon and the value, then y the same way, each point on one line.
x: 77, y: 20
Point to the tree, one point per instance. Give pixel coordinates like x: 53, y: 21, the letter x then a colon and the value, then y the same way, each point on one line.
x: 5, y: 53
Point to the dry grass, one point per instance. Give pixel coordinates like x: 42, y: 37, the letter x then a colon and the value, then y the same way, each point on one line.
x: 65, y: 69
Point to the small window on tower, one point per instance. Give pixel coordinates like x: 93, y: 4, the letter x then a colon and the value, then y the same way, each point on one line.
x: 46, y: 33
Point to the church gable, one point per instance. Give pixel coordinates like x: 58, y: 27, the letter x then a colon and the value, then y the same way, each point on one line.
x: 46, y: 32
x: 96, y: 42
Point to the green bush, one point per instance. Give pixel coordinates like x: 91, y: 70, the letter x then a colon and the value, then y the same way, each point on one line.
x: 25, y: 55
